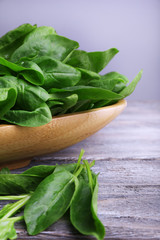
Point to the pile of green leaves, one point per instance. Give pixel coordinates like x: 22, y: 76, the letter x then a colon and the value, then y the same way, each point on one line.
x: 46, y: 193
x: 43, y: 75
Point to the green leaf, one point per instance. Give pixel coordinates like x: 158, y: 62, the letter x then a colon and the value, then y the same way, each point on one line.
x: 29, y: 97
x: 112, y: 81
x: 83, y: 211
x: 52, y: 45
x: 68, y: 102
x: 91, y: 93
x: 8, y: 98
x: 5, y: 210
x: 130, y: 88
x: 38, y: 117
x: 86, y: 76
x: 18, y: 184
x: 50, y: 201
x: 82, y: 105
x: 29, y: 70
x: 57, y: 74
x: 40, y: 171
x: 39, y: 32
x: 7, y: 230
x: 5, y: 71
x: 13, y: 39
x: 93, y: 61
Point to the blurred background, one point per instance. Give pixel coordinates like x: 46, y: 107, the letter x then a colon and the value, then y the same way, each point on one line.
x: 132, y: 26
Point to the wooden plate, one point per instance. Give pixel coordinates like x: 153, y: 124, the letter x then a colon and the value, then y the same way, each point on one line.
x: 18, y: 145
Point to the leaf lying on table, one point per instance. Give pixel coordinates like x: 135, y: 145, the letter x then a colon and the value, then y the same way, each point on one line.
x: 48, y: 192
x: 36, y: 62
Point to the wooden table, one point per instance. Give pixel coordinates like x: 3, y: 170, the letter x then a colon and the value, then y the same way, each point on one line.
x: 127, y: 154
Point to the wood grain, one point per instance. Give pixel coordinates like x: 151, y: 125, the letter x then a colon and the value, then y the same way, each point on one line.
x: 127, y: 154
x: 23, y: 143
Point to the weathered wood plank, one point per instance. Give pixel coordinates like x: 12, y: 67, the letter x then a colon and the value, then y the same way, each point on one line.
x: 129, y: 201
x: 128, y: 154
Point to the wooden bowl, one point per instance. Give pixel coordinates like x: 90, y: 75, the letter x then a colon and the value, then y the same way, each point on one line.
x: 18, y: 145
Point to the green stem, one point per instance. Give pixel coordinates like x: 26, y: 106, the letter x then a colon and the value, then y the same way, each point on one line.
x: 16, y: 219
x: 92, y: 164
x: 78, y: 171
x: 89, y: 174
x: 13, y: 197
x: 16, y: 206
x: 79, y: 160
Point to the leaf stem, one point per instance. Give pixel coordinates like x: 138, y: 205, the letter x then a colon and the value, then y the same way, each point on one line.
x: 89, y: 174
x: 79, y: 160
x: 16, y: 219
x: 16, y: 206
x: 13, y: 197
x: 78, y: 171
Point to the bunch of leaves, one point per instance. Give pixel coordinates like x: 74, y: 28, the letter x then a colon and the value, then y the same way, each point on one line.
x: 42, y: 74
x: 46, y: 193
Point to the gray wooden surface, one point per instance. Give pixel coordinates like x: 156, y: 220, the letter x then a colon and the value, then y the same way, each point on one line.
x: 127, y: 154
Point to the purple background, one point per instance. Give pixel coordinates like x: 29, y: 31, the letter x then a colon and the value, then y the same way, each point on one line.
x: 131, y: 26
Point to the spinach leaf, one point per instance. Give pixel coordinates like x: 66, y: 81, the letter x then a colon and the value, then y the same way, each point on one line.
x: 86, y: 76
x: 5, y: 71
x: 29, y: 97
x: 112, y: 81
x: 68, y: 102
x: 130, y: 88
x: 5, y: 209
x: 50, y: 201
x: 39, y: 32
x: 82, y: 105
x: 115, y: 75
x: 57, y: 74
x: 29, y: 70
x: 114, y: 85
x: 7, y: 229
x: 83, y: 210
x: 7, y: 100
x: 88, y: 92
x: 93, y: 61
x: 38, y: 117
x: 13, y: 39
x: 51, y: 45
x: 16, y: 183
x: 41, y: 171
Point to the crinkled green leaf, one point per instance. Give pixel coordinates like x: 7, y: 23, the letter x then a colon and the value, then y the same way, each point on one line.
x: 52, y: 45
x: 93, y: 61
x: 29, y: 70
x: 13, y: 39
x: 29, y: 97
x: 39, y: 32
x: 68, y: 102
x: 38, y: 117
x: 7, y: 100
x: 57, y: 74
